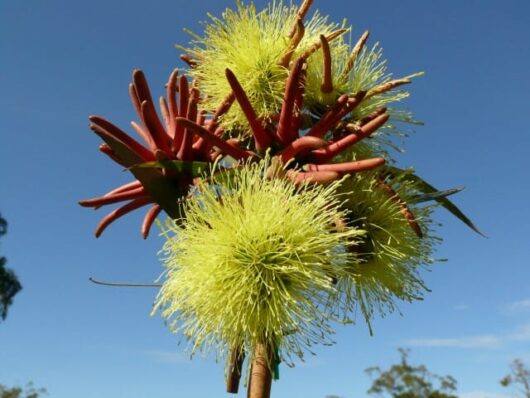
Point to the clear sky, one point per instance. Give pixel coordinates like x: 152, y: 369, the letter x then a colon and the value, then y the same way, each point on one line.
x: 61, y: 61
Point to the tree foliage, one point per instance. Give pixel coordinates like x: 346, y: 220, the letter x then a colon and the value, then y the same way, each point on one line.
x: 18, y: 392
x: 9, y: 284
x: 404, y: 380
x: 519, y: 377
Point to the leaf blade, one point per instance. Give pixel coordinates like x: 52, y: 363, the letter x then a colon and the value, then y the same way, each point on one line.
x: 427, y: 188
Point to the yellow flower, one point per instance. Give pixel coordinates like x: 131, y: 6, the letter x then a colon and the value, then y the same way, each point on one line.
x: 397, y: 245
x: 254, y: 262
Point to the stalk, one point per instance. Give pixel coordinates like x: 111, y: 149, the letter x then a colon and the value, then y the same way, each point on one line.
x: 259, y: 385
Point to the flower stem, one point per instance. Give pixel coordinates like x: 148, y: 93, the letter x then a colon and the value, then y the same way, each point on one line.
x: 259, y: 385
x: 236, y: 359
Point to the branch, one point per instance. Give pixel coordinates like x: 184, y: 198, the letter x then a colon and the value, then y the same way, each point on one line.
x: 117, y: 284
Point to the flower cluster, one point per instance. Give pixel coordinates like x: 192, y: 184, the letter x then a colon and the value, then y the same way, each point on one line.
x: 174, y: 153
x: 285, y: 214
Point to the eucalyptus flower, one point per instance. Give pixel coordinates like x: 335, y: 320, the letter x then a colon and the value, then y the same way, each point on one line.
x: 255, y: 263
x: 397, y: 244
x: 173, y: 151
x: 261, y: 47
x: 257, y: 46
x: 286, y: 213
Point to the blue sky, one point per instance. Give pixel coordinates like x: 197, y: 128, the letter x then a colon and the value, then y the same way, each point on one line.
x: 61, y: 61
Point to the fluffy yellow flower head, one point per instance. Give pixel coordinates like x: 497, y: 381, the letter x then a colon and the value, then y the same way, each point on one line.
x: 255, y: 262
x: 397, y: 244
x: 251, y: 44
x: 259, y: 47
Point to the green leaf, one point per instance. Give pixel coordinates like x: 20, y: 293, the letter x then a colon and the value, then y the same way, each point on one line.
x: 434, y: 195
x: 193, y: 168
x: 428, y: 189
